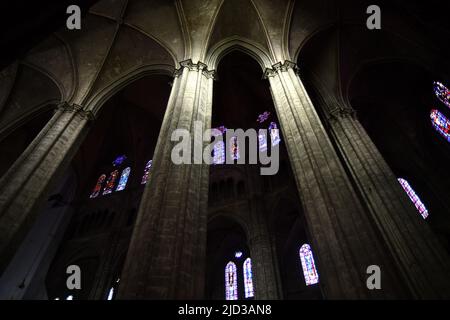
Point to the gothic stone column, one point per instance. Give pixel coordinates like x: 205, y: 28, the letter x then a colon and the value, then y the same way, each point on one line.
x: 263, y: 261
x: 423, y: 262
x: 343, y: 238
x: 24, y: 187
x: 166, y: 257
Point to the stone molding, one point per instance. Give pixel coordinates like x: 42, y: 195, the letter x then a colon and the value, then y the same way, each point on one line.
x: 76, y: 108
x: 200, y: 66
x: 280, y: 67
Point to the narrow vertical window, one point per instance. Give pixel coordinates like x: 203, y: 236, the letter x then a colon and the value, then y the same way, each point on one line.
x: 111, y: 182
x: 111, y: 294
x: 219, y: 153
x: 414, y: 198
x: 231, y: 288
x: 274, y: 134
x: 234, y: 148
x: 123, y: 179
x: 98, y: 186
x: 441, y: 124
x: 112, y: 291
x: 262, y: 141
x: 248, y: 279
x: 308, y: 265
x: 147, y: 169
x: 442, y: 93
x: 219, y: 147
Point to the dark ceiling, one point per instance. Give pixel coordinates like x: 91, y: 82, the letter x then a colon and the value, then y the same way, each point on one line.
x: 24, y: 24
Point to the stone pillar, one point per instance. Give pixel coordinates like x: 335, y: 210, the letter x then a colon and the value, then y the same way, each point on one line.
x: 423, y: 262
x: 263, y: 262
x: 24, y: 187
x: 107, y: 271
x: 344, y: 240
x: 167, y: 253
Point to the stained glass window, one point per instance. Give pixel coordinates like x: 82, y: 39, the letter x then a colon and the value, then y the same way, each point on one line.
x: 219, y: 147
x: 442, y: 93
x: 98, y: 186
x: 234, y: 148
x: 69, y: 297
x: 263, y: 117
x: 248, y: 278
x: 308, y: 265
x: 147, y: 169
x: 414, y: 198
x: 123, y: 179
x: 238, y: 254
x: 262, y: 141
x: 119, y: 160
x: 219, y: 153
x: 441, y: 124
x: 274, y: 134
x: 111, y: 292
x: 111, y: 182
x: 231, y: 288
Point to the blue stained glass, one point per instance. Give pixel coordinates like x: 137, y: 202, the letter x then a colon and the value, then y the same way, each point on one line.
x: 274, y: 134
x: 441, y: 124
x: 123, y: 179
x: 231, y: 288
x: 262, y: 141
x: 219, y: 153
x: 248, y: 279
x: 308, y: 265
x: 219, y: 147
x: 119, y: 160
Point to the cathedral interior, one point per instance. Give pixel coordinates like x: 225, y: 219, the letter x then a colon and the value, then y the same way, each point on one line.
x: 360, y: 118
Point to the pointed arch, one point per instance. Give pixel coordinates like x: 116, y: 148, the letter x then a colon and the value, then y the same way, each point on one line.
x: 99, y: 98
x: 253, y: 49
x: 239, y: 18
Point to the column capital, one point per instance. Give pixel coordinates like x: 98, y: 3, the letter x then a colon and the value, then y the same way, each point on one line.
x: 199, y: 66
x: 280, y: 67
x: 76, y: 108
x: 338, y: 111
